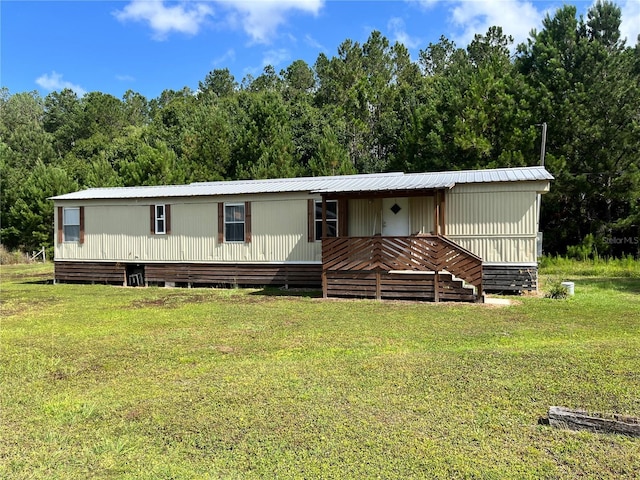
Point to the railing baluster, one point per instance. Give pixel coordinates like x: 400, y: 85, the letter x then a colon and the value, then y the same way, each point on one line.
x: 416, y: 253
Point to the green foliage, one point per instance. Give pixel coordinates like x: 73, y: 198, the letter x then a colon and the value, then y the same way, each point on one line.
x: 219, y: 82
x: 627, y: 266
x: 584, y: 250
x: 556, y: 290
x: 330, y: 157
x: 30, y: 219
x: 368, y: 108
x: 12, y: 257
x: 569, y: 63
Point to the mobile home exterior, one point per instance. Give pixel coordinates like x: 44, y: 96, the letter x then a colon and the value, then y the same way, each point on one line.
x: 444, y: 235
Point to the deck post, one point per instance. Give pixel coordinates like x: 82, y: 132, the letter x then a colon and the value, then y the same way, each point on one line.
x: 378, y: 286
x: 324, y: 284
x: 436, y: 213
x: 442, y: 213
x: 479, y: 298
x: 436, y: 287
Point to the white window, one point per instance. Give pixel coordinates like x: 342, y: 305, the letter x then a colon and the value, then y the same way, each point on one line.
x: 161, y: 220
x: 234, y: 220
x: 71, y: 224
x: 332, y: 218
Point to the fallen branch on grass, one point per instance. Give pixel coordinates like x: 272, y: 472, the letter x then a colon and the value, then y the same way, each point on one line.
x: 581, y: 420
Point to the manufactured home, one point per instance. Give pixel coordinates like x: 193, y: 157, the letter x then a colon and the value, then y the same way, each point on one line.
x: 432, y: 236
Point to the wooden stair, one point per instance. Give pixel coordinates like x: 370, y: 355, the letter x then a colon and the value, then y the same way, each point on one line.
x: 423, y: 267
x: 397, y: 286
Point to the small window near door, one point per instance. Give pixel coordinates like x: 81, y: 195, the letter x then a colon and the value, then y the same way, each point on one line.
x: 332, y: 218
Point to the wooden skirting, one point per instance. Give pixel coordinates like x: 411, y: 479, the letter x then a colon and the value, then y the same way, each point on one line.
x: 364, y: 284
x: 508, y: 278
x: 293, y: 275
x: 193, y: 274
x: 90, y: 272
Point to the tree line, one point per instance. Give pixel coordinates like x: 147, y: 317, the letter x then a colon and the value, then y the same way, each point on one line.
x: 370, y: 108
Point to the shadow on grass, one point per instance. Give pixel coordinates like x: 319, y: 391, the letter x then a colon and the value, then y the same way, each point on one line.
x: 42, y: 281
x: 288, y: 292
x: 620, y: 284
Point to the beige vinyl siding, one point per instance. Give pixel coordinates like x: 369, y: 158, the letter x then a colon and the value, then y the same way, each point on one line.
x: 364, y: 217
x: 120, y: 231
x: 421, y: 215
x: 496, y: 222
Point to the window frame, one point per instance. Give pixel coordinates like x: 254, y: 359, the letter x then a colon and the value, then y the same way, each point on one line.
x: 160, y: 218
x: 235, y: 222
x: 65, y: 224
x: 317, y: 222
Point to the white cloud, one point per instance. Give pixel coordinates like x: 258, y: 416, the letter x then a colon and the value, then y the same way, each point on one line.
x: 275, y: 57
x: 516, y: 17
x: 426, y: 4
x: 261, y: 19
x: 183, y: 18
x: 630, y: 27
x: 125, y: 78
x: 397, y: 28
x: 55, y: 82
x: 229, y: 55
x: 312, y: 42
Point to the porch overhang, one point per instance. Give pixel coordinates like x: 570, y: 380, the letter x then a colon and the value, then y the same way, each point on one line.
x: 422, y: 192
x: 439, y: 225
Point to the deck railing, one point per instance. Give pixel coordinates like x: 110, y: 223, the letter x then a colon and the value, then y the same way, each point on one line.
x: 413, y: 253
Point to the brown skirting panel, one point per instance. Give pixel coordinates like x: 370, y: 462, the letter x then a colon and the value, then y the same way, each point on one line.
x: 90, y: 272
x: 393, y: 286
x: 292, y: 275
x: 508, y: 278
x: 194, y: 274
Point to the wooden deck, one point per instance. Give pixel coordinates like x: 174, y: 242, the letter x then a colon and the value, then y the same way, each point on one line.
x: 400, y: 267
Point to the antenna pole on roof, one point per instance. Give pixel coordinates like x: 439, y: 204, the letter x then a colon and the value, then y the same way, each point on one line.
x: 543, y: 144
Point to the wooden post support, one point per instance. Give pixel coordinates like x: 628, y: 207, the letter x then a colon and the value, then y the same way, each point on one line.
x: 324, y: 284
x: 436, y: 212
x: 436, y: 287
x: 442, y: 214
x: 479, y: 296
x: 378, y: 286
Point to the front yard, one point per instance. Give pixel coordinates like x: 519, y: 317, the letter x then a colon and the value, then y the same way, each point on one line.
x: 109, y: 382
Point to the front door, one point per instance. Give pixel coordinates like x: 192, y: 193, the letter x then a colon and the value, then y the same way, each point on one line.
x: 395, y: 217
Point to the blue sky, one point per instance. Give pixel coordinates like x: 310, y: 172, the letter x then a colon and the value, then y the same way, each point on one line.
x: 152, y: 45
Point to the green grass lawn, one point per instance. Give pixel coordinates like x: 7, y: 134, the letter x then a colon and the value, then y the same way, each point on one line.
x: 109, y: 382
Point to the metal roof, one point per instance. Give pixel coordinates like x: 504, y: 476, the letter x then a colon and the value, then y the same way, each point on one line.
x: 377, y: 182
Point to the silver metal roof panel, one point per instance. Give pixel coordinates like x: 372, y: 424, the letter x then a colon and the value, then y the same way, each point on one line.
x: 333, y: 184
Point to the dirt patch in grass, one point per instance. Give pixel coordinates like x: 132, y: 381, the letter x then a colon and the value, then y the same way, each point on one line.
x: 11, y: 307
x: 226, y: 349
x: 33, y: 275
x: 171, y: 301
x: 91, y: 369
